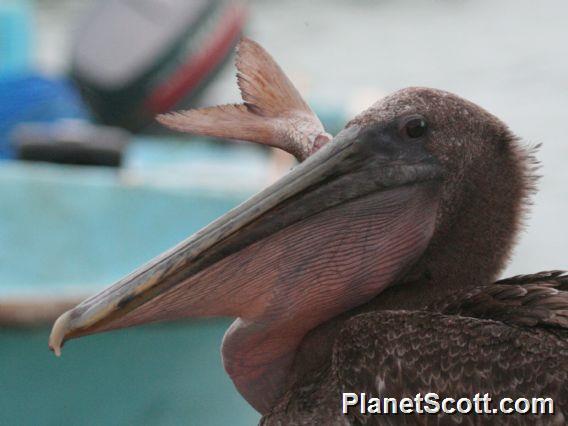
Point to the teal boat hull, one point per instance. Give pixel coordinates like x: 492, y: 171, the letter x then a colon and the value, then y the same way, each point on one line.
x: 68, y: 232
x: 154, y: 375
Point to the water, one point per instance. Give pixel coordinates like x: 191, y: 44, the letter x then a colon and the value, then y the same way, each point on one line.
x: 511, y: 57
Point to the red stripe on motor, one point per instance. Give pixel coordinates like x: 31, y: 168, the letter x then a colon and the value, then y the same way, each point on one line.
x: 199, y: 65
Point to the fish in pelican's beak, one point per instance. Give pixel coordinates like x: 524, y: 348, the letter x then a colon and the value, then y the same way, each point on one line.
x: 333, y: 233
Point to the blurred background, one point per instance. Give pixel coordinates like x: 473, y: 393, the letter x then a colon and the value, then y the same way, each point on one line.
x: 91, y: 188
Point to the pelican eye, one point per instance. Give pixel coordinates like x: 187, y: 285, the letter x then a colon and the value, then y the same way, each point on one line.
x: 415, y: 128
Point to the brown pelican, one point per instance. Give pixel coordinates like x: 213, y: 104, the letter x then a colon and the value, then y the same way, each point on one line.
x: 368, y: 268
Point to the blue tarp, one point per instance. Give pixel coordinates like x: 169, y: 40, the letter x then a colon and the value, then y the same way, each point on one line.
x: 33, y: 98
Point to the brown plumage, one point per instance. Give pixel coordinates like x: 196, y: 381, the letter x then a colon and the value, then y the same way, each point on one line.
x: 370, y: 267
x: 538, y: 300
x: 509, y: 338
